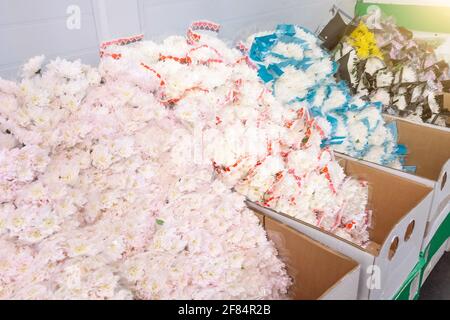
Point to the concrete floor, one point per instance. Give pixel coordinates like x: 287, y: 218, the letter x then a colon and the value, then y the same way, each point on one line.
x: 437, y: 286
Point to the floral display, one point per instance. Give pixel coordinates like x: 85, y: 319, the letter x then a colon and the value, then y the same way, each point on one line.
x: 406, y: 74
x: 301, y: 76
x: 128, y: 181
x: 364, y: 42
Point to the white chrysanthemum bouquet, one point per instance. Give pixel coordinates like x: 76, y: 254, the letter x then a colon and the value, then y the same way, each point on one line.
x: 120, y: 182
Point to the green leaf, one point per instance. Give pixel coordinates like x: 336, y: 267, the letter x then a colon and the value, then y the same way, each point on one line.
x: 160, y: 222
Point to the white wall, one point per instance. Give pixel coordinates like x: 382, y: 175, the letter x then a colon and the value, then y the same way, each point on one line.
x: 117, y: 18
x: 32, y: 27
x: 164, y: 17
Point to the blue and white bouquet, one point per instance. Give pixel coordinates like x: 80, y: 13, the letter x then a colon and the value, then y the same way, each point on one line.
x: 300, y: 74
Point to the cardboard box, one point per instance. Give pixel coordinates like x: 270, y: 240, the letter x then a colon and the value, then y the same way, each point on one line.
x: 260, y: 217
x: 431, y: 233
x: 411, y: 288
x: 429, y: 150
x: 400, y: 207
x: 444, y: 101
x: 317, y: 271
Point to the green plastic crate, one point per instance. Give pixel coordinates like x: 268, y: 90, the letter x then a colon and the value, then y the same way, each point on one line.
x: 440, y: 237
x: 425, y: 18
x: 410, y: 289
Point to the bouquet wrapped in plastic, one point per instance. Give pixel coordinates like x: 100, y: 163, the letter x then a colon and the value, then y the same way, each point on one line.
x: 120, y: 182
x: 385, y: 63
x: 100, y: 198
x: 301, y: 76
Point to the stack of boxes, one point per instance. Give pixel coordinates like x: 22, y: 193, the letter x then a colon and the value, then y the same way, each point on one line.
x: 400, y: 212
x: 411, y: 226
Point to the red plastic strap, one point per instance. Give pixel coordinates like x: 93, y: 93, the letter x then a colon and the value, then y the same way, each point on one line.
x: 188, y: 60
x: 242, y: 47
x: 350, y: 225
x: 120, y: 42
x: 236, y: 92
x: 182, y: 60
x: 175, y: 100
x: 115, y: 56
x: 161, y: 83
x: 288, y: 124
x: 205, y: 25
x: 297, y: 178
x: 221, y: 169
x: 247, y: 60
x: 278, y: 177
x: 193, y: 37
x: 269, y: 148
x: 318, y: 128
x: 252, y: 170
x: 211, y: 61
x: 328, y: 177
x: 206, y: 46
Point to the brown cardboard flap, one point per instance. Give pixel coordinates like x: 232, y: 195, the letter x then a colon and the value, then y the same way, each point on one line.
x: 260, y: 217
x: 446, y: 85
x: 428, y: 148
x: 313, y: 267
x: 390, y: 197
x: 444, y: 101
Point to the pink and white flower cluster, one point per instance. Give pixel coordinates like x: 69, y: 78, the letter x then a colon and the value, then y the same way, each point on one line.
x: 128, y: 180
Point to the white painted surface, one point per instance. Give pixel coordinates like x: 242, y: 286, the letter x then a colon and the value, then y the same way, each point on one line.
x: 29, y: 28
x: 238, y: 18
x: 348, y: 6
x: 434, y: 225
x: 346, y: 288
x: 32, y: 27
x: 117, y: 18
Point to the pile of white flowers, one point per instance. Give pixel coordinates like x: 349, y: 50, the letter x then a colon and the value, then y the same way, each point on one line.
x: 119, y: 182
x: 301, y: 76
